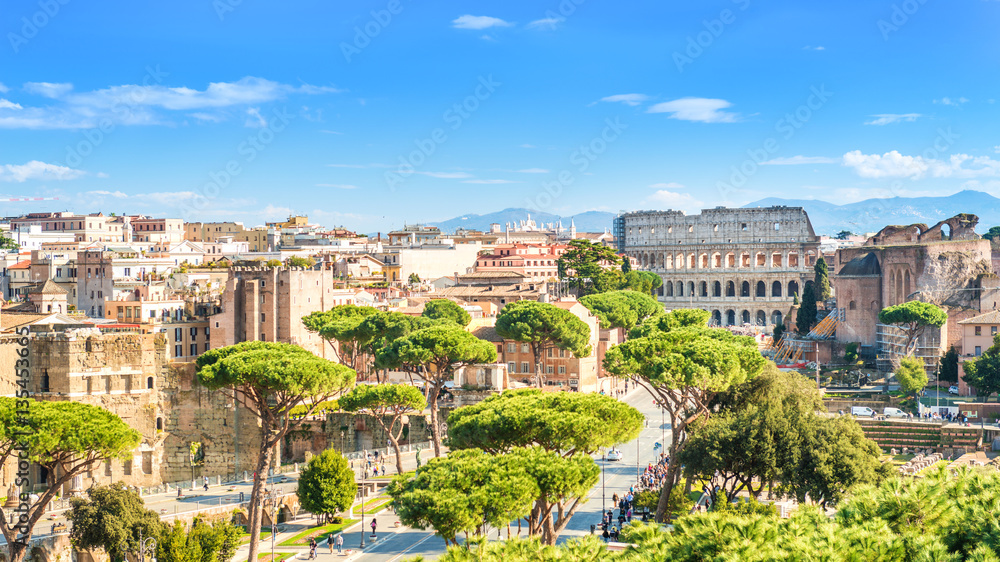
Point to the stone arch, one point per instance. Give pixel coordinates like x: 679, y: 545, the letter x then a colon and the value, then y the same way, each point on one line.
x: 945, y: 231
x: 704, y: 289
x: 900, y: 297
x: 730, y: 289
x: 892, y: 287
x: 679, y: 261
x: 745, y: 289
x: 716, y: 260
x: 745, y: 317
x: 906, y: 284
x: 761, y: 289
x: 717, y: 289
x: 776, y: 289
x: 760, y: 260
x: 149, y: 382
x: 716, y: 318
x: 776, y: 317
x: 852, y: 305
x: 730, y: 317
x: 793, y: 288
x: 668, y: 289
x: 730, y: 259
x: 680, y: 288
x: 761, y: 318
x: 691, y: 261
x: 745, y: 259
x: 777, y: 260
x: 691, y: 288
x: 704, y: 261
x: 668, y: 261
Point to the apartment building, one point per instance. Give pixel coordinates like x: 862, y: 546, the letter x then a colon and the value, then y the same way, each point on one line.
x: 85, y: 228
x: 157, y: 231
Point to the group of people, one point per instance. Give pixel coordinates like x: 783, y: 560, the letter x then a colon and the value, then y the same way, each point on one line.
x: 374, y: 465
x: 625, y: 504
x: 331, y: 541
x: 655, y: 474
x: 616, y: 392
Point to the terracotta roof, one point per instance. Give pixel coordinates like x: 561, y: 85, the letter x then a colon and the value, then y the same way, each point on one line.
x: 491, y: 275
x: 11, y: 319
x: 50, y: 287
x: 988, y: 318
x: 487, y: 333
x: 25, y: 264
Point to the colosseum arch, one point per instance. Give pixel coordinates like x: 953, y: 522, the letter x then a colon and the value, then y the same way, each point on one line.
x: 716, y: 318
x: 691, y: 288
x: 730, y: 317
x: 761, y: 318
x: 745, y: 317
x: 745, y: 289
x: 793, y: 288
x: 776, y: 289
x: 761, y: 289
x: 717, y: 289
x: 704, y: 261
x: 668, y: 261
x: 730, y: 260
x: 776, y: 317
x: 716, y: 260
x: 680, y: 288
x: 704, y: 288
x: 745, y: 259
x: 667, y: 289
x: 679, y: 261
x: 730, y: 289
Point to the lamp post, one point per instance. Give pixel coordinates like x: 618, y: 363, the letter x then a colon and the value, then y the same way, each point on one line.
x: 146, y: 546
x: 362, y: 492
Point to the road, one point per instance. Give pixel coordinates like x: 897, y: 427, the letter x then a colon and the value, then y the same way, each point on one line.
x: 617, y: 477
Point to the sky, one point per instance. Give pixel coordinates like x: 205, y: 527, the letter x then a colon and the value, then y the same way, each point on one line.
x: 376, y: 114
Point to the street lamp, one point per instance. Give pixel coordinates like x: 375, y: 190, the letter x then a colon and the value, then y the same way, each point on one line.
x: 146, y: 546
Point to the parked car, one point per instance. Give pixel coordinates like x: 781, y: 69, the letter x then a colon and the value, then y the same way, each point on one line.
x: 614, y: 455
x: 953, y: 390
x: 894, y: 413
x: 861, y: 411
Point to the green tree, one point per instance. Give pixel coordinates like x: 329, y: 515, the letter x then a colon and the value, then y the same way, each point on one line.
x: 805, y: 319
x: 821, y: 280
x: 554, y: 435
x: 270, y: 379
x: 467, y: 491
x: 543, y: 326
x: 8, y: 243
x: 377, y: 331
x: 607, y: 280
x: 110, y: 517
x: 626, y: 264
x: 994, y: 233
x: 341, y: 324
x: 911, y: 375
x: 948, y: 370
x: 622, y: 309
x: 843, y: 235
x: 273, y: 263
x: 299, y: 261
x: 584, y: 260
x: 382, y: 401
x: 64, y: 438
x: 326, y: 485
x: 913, y: 318
x: 983, y: 374
x: 203, y: 542
x: 433, y: 355
x: 851, y: 352
x: 673, y: 320
x: 777, y: 332
x: 444, y: 309
x: 414, y: 278
x: 684, y: 369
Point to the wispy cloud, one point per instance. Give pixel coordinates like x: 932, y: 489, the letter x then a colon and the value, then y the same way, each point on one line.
x: 105, y: 193
x: 478, y: 22
x: 546, y: 23
x: 533, y: 171
x: 816, y: 48
x: 36, y: 170
x: 446, y: 175
x: 490, y: 182
x: 702, y: 110
x: 668, y: 185
x: 799, y: 159
x: 895, y: 165
x: 48, y: 89
x: 951, y: 101
x: 627, y: 99
x: 7, y: 104
x: 673, y: 200
x: 890, y: 118
x: 337, y: 185
x: 3, y: 89
x: 254, y: 119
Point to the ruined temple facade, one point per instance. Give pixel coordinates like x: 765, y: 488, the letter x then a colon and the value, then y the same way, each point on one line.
x: 743, y: 265
x: 947, y: 264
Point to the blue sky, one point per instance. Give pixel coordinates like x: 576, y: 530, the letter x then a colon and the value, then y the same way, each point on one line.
x: 372, y: 114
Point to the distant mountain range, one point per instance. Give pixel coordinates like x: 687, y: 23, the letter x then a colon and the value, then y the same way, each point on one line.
x: 591, y: 221
x: 871, y: 215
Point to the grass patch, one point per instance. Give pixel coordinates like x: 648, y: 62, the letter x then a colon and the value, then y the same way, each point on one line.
x: 318, y: 533
x: 391, y: 476
x: 278, y: 556
x: 371, y: 506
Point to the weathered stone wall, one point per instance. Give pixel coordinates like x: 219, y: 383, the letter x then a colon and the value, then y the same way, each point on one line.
x: 348, y: 432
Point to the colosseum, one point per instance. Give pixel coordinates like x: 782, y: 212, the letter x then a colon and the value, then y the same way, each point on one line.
x: 743, y: 265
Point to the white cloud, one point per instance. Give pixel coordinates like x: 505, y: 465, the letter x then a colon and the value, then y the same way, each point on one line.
x: 254, y: 118
x: 447, y: 175
x: 3, y: 89
x: 533, y: 171
x: 208, y: 117
x: 668, y: 185
x: 895, y: 165
x: 627, y: 99
x: 949, y: 101
x: 799, y: 159
x: 36, y: 170
x: 889, y: 118
x: 546, y: 23
x: 337, y: 185
x: 7, y: 104
x: 673, y: 200
x: 115, y: 194
x: 478, y: 22
x: 490, y: 182
x: 702, y: 110
x: 48, y: 89
x: 996, y: 149
x: 816, y: 48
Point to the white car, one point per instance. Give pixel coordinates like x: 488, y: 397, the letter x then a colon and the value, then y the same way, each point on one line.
x: 614, y: 455
x: 953, y: 390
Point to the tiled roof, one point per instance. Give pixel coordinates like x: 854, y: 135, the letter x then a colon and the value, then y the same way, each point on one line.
x: 988, y: 318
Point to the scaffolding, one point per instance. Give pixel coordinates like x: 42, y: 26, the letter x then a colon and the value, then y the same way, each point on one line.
x: 890, y: 347
x: 790, y: 349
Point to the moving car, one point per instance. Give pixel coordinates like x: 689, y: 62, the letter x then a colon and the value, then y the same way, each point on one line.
x: 861, y: 411
x: 894, y: 413
x: 953, y: 390
x: 614, y: 455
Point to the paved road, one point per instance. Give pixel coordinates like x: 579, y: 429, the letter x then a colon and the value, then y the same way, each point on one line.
x: 397, y: 545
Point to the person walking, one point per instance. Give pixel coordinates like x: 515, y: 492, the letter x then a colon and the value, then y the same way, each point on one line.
x: 312, y: 549
x: 340, y: 544
x: 374, y: 526
x: 606, y: 534
x: 205, y: 478
x: 329, y: 543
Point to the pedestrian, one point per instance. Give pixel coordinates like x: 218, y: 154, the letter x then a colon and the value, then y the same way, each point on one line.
x: 606, y: 534
x: 329, y: 543
x: 206, y: 482
x: 312, y: 549
x: 374, y: 525
x: 340, y: 543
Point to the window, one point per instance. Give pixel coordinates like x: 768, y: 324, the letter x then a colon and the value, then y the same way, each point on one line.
x: 149, y: 382
x: 177, y: 350
x: 524, y: 348
x: 194, y: 349
x: 993, y: 330
x: 127, y: 467
x: 206, y: 331
x: 107, y: 468
x: 979, y: 351
x: 979, y: 330
x: 524, y: 367
x: 261, y: 316
x: 562, y: 369
x: 562, y: 353
x: 511, y: 348
x: 511, y: 367
x: 178, y: 334
x: 194, y: 332
x: 206, y: 346
x: 548, y: 369
x: 549, y: 352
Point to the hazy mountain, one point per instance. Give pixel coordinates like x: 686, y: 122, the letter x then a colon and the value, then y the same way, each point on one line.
x: 591, y: 221
x: 871, y: 215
